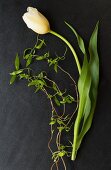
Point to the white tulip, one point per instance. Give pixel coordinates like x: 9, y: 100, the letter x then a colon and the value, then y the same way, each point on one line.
x: 36, y: 21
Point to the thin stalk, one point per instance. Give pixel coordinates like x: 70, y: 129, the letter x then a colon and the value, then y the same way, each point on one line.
x: 61, y: 97
x: 63, y: 163
x: 75, y: 89
x: 71, y: 48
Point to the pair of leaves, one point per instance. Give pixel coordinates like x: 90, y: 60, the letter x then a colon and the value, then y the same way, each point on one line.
x: 39, y: 46
x: 55, y: 61
x: 24, y: 76
x: 53, y: 121
x: 61, y: 128
x: 45, y: 56
x: 87, y: 87
x: 58, y: 154
x: 38, y: 83
x: 67, y: 99
x: 13, y: 74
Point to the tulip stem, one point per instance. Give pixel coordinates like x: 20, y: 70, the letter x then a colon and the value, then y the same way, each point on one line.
x: 71, y: 48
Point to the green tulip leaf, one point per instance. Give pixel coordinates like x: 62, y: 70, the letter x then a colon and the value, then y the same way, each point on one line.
x: 94, y: 71
x: 79, y: 39
x: 87, y: 87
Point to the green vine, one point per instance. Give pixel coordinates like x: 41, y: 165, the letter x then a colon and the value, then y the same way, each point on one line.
x: 59, y: 122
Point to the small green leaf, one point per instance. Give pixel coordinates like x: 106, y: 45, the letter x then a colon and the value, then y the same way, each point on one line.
x: 41, y: 75
x: 52, y: 61
x: 46, y: 55
x: 39, y: 83
x: 67, y: 129
x: 17, y: 62
x: 52, y: 131
x: 40, y: 58
x: 33, y: 52
x: 60, y: 128
x: 26, y: 53
x: 25, y: 76
x: 50, y: 96
x: 62, y: 147
x: 56, y: 67
x: 28, y: 62
x: 16, y: 72
x: 56, y: 101
x: 12, y: 80
x: 42, y: 82
x: 40, y: 44
x: 52, y: 122
x: 67, y: 99
x: 55, y: 87
x: 26, y: 56
x: 61, y: 154
x: 60, y: 122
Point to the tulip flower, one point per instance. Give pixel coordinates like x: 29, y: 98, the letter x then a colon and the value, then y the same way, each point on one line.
x: 36, y: 21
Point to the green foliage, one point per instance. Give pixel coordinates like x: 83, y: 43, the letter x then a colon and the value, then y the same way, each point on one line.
x: 55, y: 87
x: 87, y: 86
x: 39, y: 84
x: 16, y: 72
x: 24, y: 76
x: 67, y: 99
x: 12, y: 79
x: 79, y: 39
x: 26, y: 53
x: 29, y: 59
x: 61, y: 153
x: 40, y: 45
x: 53, y: 121
x: 45, y: 56
x: 43, y: 83
x: 55, y: 61
x: 17, y: 62
x: 57, y: 101
x: 30, y: 53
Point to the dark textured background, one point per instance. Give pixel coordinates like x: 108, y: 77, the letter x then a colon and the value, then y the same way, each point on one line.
x: 24, y: 116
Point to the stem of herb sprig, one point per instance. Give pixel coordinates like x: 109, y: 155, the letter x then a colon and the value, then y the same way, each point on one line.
x: 71, y: 48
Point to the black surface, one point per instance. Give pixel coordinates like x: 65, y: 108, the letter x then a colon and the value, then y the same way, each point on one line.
x: 24, y: 116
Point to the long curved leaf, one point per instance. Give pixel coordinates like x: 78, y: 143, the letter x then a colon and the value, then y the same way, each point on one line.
x: 94, y: 70
x: 87, y: 87
x: 84, y: 85
x: 79, y: 38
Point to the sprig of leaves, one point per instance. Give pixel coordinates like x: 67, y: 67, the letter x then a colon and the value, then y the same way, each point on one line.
x: 17, y: 65
x: 30, y: 53
x: 56, y: 60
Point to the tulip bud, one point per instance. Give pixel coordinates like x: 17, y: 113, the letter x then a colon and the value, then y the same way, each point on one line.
x: 36, y: 21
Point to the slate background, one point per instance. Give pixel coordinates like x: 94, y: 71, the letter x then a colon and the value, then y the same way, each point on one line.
x: 24, y: 116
